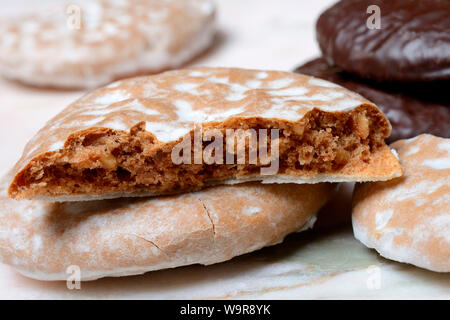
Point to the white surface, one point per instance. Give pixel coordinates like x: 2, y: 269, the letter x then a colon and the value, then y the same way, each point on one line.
x: 267, y: 34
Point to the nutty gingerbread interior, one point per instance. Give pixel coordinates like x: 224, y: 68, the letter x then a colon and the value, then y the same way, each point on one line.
x: 102, y: 161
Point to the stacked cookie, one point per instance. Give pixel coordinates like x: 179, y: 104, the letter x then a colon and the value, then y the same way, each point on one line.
x: 402, y: 63
x: 235, y: 160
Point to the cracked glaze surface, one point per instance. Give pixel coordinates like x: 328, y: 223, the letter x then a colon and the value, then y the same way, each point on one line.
x: 131, y: 236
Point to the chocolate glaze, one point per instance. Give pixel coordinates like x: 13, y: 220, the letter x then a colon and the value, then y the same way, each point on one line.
x: 412, y: 108
x: 413, y: 43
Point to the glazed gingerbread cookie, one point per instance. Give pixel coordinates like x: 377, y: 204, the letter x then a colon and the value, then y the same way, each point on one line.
x: 91, y: 44
x: 408, y: 219
x: 412, y: 109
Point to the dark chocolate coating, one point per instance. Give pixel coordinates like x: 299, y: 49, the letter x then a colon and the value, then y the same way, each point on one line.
x: 412, y: 108
x: 413, y: 43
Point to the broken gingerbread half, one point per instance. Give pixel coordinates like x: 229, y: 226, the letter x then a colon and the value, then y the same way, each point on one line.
x: 119, y: 140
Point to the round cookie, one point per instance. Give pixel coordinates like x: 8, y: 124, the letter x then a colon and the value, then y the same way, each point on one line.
x: 91, y: 44
x: 131, y: 236
x: 125, y: 139
x: 412, y: 43
x: 408, y: 219
x: 412, y: 109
